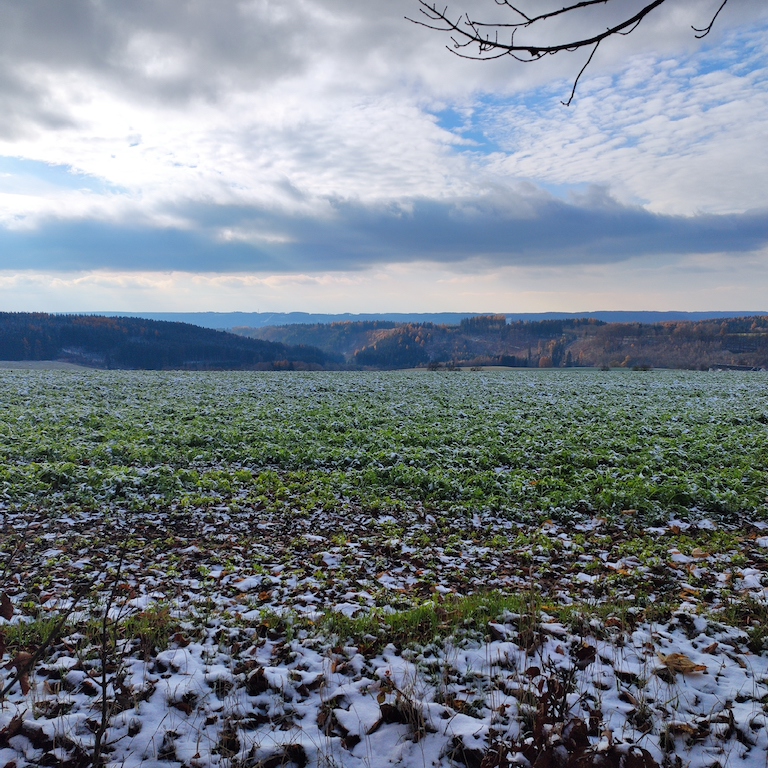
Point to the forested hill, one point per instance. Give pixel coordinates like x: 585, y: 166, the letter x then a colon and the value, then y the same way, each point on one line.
x: 128, y: 342
x: 491, y: 340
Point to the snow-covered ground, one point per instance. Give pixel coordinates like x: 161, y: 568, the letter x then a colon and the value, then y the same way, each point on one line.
x: 245, y: 670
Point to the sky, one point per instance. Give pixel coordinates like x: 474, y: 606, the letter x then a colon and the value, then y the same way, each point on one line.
x: 332, y: 156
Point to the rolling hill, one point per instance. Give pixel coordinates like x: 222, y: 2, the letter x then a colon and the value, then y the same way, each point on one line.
x: 133, y: 343
x: 491, y: 340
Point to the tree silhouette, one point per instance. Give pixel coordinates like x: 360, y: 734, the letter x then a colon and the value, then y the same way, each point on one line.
x: 524, y: 36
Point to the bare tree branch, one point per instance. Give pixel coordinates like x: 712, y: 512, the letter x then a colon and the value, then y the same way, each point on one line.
x: 467, y: 32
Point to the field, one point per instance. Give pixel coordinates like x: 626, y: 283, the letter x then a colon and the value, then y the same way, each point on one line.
x: 550, y: 568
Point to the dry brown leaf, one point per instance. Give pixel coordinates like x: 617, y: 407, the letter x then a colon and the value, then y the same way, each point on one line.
x: 51, y: 688
x: 585, y: 654
x: 6, y: 607
x: 690, y: 730
x: 183, y: 706
x: 698, y: 552
x: 626, y: 696
x: 679, y: 662
x: 21, y: 661
x: 738, y: 659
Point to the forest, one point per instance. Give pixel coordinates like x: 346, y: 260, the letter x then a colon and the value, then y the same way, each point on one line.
x: 134, y: 343
x: 490, y: 340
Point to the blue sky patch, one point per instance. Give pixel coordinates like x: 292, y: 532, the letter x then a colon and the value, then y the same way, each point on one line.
x: 15, y: 170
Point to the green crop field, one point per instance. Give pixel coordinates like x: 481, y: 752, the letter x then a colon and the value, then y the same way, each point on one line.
x: 223, y: 515
x: 525, y: 445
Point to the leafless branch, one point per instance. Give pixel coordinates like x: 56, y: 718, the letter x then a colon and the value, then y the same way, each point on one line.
x: 706, y: 30
x: 578, y: 77
x: 529, y: 20
x: 107, y: 647
x: 466, y: 32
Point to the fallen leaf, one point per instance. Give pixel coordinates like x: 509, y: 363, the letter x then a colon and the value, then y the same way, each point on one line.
x: 698, y: 552
x: 585, y: 655
x: 12, y: 729
x: 637, y: 757
x: 23, y: 679
x: 533, y: 672
x: 679, y: 662
x: 51, y: 688
x: 6, y: 607
x: 21, y: 661
x: 627, y: 697
x: 682, y: 728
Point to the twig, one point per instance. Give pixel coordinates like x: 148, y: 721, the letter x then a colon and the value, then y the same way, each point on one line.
x: 578, y: 77
x: 104, y: 653
x: 706, y: 30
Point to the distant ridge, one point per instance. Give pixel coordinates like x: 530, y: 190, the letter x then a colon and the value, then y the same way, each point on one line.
x: 229, y: 320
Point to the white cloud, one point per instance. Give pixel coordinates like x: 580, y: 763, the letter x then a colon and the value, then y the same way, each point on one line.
x: 666, y: 133
x: 263, y: 124
x: 256, y: 104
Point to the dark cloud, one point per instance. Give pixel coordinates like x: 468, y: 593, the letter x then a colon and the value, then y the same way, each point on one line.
x: 211, y: 47
x: 511, y: 229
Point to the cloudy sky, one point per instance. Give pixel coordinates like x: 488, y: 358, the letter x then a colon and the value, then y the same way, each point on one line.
x: 330, y: 156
